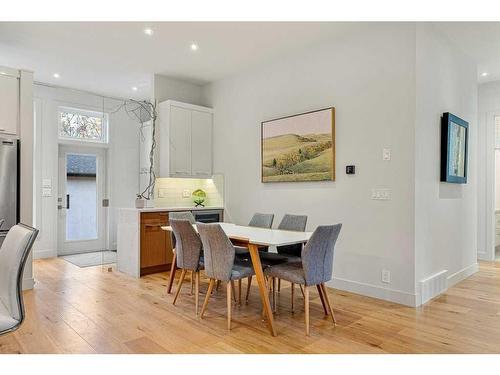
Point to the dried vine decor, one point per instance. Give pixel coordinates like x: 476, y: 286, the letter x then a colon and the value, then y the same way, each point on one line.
x: 143, y: 112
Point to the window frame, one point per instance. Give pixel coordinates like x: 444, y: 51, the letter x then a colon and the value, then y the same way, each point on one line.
x: 84, y: 112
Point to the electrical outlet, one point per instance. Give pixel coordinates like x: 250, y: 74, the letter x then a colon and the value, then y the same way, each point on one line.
x: 381, y: 194
x: 386, y: 276
x: 386, y: 154
x: 186, y: 193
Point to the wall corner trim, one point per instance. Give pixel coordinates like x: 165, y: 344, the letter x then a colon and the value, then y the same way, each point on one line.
x: 391, y: 295
x: 462, y: 274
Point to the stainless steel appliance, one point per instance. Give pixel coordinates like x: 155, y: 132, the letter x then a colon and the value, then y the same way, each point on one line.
x: 9, y: 185
x: 214, y: 216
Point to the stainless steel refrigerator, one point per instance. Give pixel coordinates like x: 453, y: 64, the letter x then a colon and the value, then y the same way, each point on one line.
x: 9, y: 185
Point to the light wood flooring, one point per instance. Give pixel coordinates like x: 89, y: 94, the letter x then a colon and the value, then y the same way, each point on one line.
x: 91, y: 310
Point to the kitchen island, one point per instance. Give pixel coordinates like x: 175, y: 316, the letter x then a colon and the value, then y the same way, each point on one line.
x: 142, y: 247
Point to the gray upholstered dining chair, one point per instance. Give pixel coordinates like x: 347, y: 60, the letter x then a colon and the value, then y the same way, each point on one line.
x: 13, y: 256
x: 258, y: 220
x: 189, y: 255
x: 1, y: 222
x: 315, y: 268
x: 287, y: 253
x: 178, y: 215
x: 220, y: 263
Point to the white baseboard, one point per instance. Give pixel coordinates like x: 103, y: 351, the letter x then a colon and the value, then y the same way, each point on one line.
x: 483, y: 255
x: 374, y: 291
x: 462, y: 274
x: 40, y: 254
x: 28, y: 283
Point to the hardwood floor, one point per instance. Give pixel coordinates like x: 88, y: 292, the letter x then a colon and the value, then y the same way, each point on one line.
x: 90, y: 310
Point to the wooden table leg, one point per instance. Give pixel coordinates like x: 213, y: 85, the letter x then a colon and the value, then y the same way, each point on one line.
x: 261, y: 281
x: 171, y: 277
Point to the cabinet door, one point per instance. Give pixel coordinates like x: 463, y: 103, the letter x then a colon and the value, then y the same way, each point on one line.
x: 201, y: 144
x: 9, y: 104
x: 180, y: 142
x: 156, y: 246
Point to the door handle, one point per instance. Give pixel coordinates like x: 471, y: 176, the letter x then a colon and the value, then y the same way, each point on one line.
x: 67, y: 201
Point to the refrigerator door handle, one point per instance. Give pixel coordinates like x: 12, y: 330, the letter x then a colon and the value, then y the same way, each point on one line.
x: 67, y: 201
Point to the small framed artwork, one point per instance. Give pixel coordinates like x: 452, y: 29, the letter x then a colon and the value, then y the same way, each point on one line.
x: 299, y: 148
x: 454, y: 147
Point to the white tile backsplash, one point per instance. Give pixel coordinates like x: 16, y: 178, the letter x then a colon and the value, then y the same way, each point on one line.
x: 169, y: 191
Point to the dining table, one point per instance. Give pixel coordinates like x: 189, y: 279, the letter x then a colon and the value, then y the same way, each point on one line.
x: 253, y: 238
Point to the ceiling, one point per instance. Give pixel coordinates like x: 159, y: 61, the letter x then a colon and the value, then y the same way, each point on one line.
x: 112, y: 57
x: 479, y: 40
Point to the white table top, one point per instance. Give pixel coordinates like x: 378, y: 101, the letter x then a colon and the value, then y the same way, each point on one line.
x: 261, y: 236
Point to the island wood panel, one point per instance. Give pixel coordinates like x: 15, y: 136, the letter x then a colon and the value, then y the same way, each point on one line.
x: 156, y: 244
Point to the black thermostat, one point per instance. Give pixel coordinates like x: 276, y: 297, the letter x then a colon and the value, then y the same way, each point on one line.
x: 350, y: 169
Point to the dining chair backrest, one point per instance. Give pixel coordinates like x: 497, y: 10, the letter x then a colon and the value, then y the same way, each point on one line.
x: 218, y: 251
x: 261, y: 220
x: 317, y: 255
x: 294, y: 223
x: 1, y: 222
x: 182, y: 215
x: 188, y: 244
x: 13, y: 256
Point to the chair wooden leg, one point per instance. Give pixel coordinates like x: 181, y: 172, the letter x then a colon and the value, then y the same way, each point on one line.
x: 292, y: 289
x: 302, y: 290
x: 179, y: 285
x: 249, y: 284
x: 239, y: 292
x: 230, y: 286
x: 274, y: 294
x: 233, y: 290
x: 192, y: 283
x: 171, y: 277
x: 217, y: 286
x: 279, y: 285
x: 328, y: 302
x: 207, y: 297
x: 322, y: 298
x: 196, y: 291
x: 306, y: 308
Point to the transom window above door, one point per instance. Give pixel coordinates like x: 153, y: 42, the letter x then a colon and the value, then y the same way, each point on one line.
x: 82, y: 125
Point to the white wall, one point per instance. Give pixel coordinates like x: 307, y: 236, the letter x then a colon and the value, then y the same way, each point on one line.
x: 488, y: 108
x: 122, y: 160
x: 445, y: 214
x: 165, y: 88
x: 369, y: 76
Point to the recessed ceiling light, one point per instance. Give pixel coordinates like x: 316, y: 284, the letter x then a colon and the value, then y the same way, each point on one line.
x: 134, y: 88
x: 484, y: 74
x: 56, y: 75
x: 194, y: 47
x: 148, y: 31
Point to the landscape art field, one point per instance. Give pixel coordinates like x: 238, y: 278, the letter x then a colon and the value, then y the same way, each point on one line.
x: 299, y: 148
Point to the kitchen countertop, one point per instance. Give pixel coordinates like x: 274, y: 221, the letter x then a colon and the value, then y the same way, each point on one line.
x: 156, y: 209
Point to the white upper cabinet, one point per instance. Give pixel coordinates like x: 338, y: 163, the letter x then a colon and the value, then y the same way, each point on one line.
x: 201, y: 144
x: 185, y: 140
x: 9, y: 104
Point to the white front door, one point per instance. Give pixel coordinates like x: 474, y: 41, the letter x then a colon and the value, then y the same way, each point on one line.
x: 82, y: 183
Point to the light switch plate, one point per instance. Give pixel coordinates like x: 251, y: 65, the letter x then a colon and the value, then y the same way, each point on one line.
x: 386, y: 154
x: 386, y: 276
x: 186, y: 193
x: 381, y: 194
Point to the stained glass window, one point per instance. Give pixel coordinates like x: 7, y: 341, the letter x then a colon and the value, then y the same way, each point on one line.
x: 82, y: 125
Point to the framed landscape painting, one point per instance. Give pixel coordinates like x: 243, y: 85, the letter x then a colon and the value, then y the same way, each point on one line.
x: 299, y: 147
x: 454, y: 147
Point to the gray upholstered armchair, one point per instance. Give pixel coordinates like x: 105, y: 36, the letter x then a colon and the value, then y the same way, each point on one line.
x: 13, y: 256
x: 220, y: 263
x: 315, y: 268
x: 189, y: 255
x: 179, y: 215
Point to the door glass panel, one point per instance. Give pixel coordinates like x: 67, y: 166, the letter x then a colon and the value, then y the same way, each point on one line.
x: 81, y: 190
